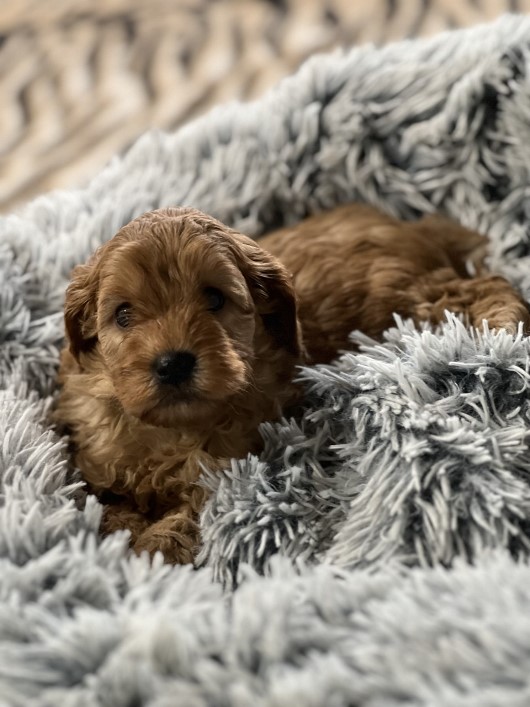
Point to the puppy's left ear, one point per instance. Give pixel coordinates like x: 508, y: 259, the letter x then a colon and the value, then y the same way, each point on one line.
x: 272, y: 289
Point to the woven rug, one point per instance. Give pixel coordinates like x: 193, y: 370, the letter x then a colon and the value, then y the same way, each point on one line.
x: 80, y: 80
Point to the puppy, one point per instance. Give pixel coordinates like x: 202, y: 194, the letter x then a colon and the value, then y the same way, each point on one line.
x: 185, y: 335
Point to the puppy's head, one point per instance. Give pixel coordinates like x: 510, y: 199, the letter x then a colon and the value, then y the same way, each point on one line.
x: 180, y: 312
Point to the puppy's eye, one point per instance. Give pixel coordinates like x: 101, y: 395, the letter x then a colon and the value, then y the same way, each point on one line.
x: 214, y: 299
x: 122, y: 315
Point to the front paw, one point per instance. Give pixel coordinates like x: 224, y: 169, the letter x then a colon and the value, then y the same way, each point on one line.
x: 123, y: 516
x: 176, y: 537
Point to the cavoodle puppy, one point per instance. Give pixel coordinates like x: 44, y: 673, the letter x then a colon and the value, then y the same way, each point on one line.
x: 183, y: 336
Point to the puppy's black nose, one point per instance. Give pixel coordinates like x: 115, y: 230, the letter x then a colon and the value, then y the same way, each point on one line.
x: 175, y: 367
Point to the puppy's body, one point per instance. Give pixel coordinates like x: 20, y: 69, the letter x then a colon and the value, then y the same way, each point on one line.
x: 151, y: 471
x: 354, y: 268
x: 141, y: 441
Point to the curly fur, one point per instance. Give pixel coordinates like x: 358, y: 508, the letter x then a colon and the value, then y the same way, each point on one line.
x: 140, y: 446
x: 354, y: 268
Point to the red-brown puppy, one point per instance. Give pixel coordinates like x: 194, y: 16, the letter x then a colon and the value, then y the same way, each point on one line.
x: 184, y: 336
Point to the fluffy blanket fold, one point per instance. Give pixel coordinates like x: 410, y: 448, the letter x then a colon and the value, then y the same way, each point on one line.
x: 391, y: 521
x: 415, y: 450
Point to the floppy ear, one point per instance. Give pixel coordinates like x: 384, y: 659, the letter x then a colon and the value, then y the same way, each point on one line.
x: 80, y: 307
x: 272, y: 289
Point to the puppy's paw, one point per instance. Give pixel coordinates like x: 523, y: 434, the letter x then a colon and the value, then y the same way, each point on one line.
x: 493, y: 299
x: 175, y: 536
x: 508, y: 316
x: 123, y: 516
x: 497, y: 324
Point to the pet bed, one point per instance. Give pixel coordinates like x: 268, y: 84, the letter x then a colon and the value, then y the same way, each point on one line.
x: 376, y: 553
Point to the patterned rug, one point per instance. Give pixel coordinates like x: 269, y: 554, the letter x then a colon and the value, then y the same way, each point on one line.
x: 80, y: 80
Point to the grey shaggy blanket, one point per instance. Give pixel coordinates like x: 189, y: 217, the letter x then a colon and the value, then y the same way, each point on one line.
x: 377, y: 552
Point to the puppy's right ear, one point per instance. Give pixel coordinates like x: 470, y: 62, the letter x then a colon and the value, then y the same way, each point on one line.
x: 273, y: 292
x: 80, y: 308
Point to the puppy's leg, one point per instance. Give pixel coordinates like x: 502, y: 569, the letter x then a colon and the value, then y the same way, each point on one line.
x: 123, y: 516
x: 490, y: 298
x: 176, y: 535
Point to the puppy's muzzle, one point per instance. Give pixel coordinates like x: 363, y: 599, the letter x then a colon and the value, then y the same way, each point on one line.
x: 174, y: 367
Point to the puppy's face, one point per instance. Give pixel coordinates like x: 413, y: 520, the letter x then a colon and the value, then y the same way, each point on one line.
x: 173, y: 305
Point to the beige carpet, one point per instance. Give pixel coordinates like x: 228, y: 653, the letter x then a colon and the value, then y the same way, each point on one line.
x: 81, y: 79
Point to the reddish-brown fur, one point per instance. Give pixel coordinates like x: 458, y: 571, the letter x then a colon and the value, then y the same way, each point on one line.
x: 146, y: 445
x: 353, y: 268
x: 141, y: 448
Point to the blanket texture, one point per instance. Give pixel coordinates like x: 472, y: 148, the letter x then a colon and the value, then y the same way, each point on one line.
x: 377, y: 552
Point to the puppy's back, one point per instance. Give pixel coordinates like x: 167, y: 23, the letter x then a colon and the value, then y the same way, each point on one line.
x: 353, y: 267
